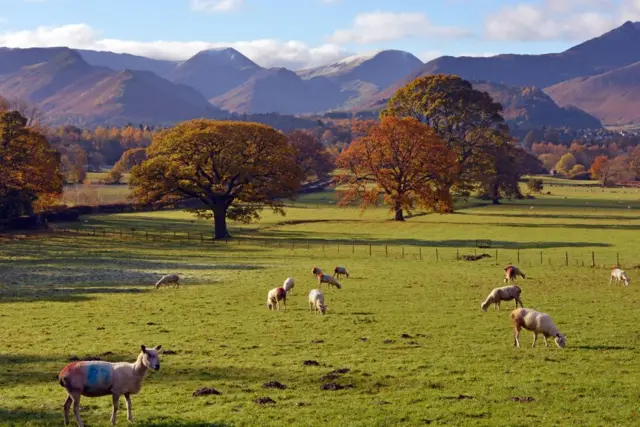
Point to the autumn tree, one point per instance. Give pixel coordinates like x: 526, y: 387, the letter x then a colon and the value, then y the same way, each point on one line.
x: 600, y: 169
x: 565, y: 164
x: 535, y: 185
x: 29, y: 167
x: 130, y: 158
x: 311, y: 156
x: 234, y: 169
x: 401, y: 158
x: 468, y: 120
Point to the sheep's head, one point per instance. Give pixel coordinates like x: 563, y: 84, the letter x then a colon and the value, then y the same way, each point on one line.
x: 323, y: 308
x: 150, y: 357
x: 560, y: 340
x: 484, y: 306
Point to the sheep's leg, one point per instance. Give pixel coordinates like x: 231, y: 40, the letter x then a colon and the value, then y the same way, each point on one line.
x: 535, y: 338
x: 284, y: 303
x: 76, y: 409
x: 67, y: 405
x: 115, y: 399
x: 516, y: 336
x: 127, y: 397
x: 546, y: 344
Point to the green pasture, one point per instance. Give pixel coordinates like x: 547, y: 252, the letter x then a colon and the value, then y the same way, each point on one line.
x: 407, y: 323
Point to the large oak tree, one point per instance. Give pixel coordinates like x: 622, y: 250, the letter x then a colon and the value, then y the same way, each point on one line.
x: 401, y: 158
x: 312, y: 157
x: 233, y: 168
x: 468, y: 120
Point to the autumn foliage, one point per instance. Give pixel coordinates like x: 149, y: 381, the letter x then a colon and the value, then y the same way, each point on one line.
x: 401, y: 158
x: 233, y: 168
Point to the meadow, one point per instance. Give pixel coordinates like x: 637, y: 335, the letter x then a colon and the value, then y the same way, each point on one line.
x: 406, y: 329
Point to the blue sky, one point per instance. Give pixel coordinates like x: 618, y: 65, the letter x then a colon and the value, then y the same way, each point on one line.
x: 301, y: 33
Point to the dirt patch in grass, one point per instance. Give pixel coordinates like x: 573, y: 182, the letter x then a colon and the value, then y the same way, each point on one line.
x: 265, y: 401
x: 168, y: 352
x: 335, y: 386
x: 525, y: 399
x: 274, y: 384
x: 206, y: 391
x: 310, y: 363
x: 475, y: 257
x: 335, y: 374
x: 317, y: 341
x: 458, y: 397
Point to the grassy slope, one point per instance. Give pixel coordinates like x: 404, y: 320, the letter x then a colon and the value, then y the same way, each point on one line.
x: 85, y: 296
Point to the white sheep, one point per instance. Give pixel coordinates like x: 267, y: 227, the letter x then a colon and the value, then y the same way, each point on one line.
x: 97, y: 378
x: 538, y: 323
x: 169, y: 278
x: 619, y: 275
x: 315, y: 271
x: 274, y: 297
x: 505, y: 293
x: 288, y: 284
x: 338, y: 271
x: 511, y: 271
x: 316, y: 301
x: 329, y: 280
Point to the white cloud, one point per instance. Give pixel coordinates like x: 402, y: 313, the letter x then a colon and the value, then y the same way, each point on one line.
x: 429, y: 55
x: 215, y: 6
x: 570, y: 20
x: 267, y: 52
x: 376, y: 27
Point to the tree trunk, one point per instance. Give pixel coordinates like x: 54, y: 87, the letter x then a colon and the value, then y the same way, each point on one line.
x: 399, y: 214
x: 444, y: 203
x: 220, y: 222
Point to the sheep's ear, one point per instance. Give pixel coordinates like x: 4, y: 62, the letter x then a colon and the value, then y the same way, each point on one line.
x: 158, y: 347
x: 143, y: 348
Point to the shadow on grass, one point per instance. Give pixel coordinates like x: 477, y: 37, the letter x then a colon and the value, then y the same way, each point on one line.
x: 21, y: 416
x: 536, y: 215
x: 602, y: 347
x: 175, y: 423
x: 79, y: 294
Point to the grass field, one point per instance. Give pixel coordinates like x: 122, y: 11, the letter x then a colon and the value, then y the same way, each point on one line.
x: 410, y: 330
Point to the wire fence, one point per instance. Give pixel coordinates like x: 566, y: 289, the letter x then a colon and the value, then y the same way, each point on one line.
x: 463, y: 251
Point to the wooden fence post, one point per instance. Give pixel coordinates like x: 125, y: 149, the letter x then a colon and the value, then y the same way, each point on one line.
x: 403, y: 252
x: 617, y: 259
x: 593, y: 259
x: 437, y: 255
x: 457, y: 254
x: 496, y: 257
x: 540, y: 257
x: 518, y: 255
x: 201, y: 238
x: 566, y: 258
x: 353, y: 248
x: 420, y: 253
x: 386, y: 251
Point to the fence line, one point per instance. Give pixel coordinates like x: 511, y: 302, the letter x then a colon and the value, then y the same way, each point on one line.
x: 349, y: 248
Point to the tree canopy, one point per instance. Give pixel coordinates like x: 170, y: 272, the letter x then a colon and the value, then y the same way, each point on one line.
x: 401, y: 158
x: 30, y: 176
x: 312, y: 157
x: 233, y: 168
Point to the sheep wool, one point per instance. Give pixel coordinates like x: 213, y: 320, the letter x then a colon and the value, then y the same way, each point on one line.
x: 506, y: 293
x: 316, y: 301
x: 538, y: 323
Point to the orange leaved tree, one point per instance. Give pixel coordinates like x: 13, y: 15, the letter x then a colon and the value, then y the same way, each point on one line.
x: 233, y: 168
x: 401, y: 158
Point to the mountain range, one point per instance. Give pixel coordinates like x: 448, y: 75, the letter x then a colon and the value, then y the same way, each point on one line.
x: 596, y: 82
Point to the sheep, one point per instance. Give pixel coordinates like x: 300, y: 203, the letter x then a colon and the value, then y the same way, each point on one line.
x: 619, y: 275
x: 315, y: 271
x: 274, y: 297
x: 316, y: 301
x: 338, y: 271
x: 97, y: 378
x: 288, y: 284
x: 329, y: 280
x: 511, y: 271
x: 506, y: 293
x: 538, y: 323
x: 169, y: 278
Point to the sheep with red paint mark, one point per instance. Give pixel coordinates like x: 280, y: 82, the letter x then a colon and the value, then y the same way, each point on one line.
x: 274, y: 297
x: 98, y: 378
x: 619, y: 275
x: 511, y: 273
x: 340, y: 271
x: 316, y: 270
x: 329, y: 280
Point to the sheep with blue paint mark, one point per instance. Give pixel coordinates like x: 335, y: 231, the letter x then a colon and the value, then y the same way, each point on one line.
x: 97, y: 379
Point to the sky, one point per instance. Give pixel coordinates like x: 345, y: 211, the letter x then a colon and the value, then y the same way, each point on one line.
x: 304, y: 33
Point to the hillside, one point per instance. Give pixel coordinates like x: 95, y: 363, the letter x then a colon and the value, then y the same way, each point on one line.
x: 68, y: 90
x: 614, y: 49
x: 125, y: 61
x: 614, y: 97
x: 215, y: 72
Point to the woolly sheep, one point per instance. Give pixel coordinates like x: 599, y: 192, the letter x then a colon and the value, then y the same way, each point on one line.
x: 506, y: 293
x: 97, y: 378
x: 169, y: 278
x: 329, y: 280
x: 288, y: 284
x: 619, y: 275
x: 338, y: 271
x: 538, y: 323
x: 274, y: 297
x: 511, y: 271
x: 315, y: 271
x: 316, y: 301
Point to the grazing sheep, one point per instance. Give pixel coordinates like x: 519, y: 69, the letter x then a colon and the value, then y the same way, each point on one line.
x: 288, y: 284
x: 274, y: 297
x: 506, y: 293
x: 538, y: 323
x: 329, y: 280
x: 338, y: 271
x: 316, y: 301
x: 315, y: 271
x: 511, y: 271
x: 97, y: 378
x: 169, y: 278
x: 619, y: 275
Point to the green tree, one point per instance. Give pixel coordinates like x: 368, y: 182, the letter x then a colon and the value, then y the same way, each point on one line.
x: 566, y: 162
x: 468, y: 120
x: 233, y: 169
x: 535, y: 185
x: 131, y: 158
